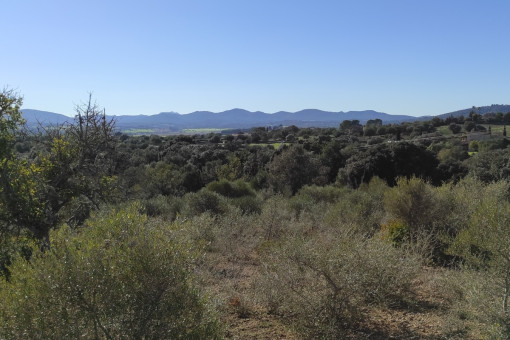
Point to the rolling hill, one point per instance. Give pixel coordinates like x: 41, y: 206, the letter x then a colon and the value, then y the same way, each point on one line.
x: 235, y: 118
x: 167, y: 122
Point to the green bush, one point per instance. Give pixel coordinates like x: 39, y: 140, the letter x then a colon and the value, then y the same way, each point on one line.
x: 329, y: 194
x: 165, y: 206
x: 12, y: 246
x: 362, y: 208
x: 119, y: 277
x: 313, y: 199
x: 196, y: 203
x: 230, y: 189
x: 396, y: 231
x: 248, y: 204
x: 413, y: 202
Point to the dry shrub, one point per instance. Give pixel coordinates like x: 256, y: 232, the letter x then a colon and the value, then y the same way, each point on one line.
x: 359, y: 208
x: 325, y: 280
x: 476, y: 308
x: 275, y: 218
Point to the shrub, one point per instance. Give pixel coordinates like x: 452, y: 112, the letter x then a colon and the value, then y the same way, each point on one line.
x: 248, y: 204
x: 396, y: 231
x: 226, y: 188
x: 475, y: 310
x: 165, y: 206
x: 274, y: 218
x: 12, y: 246
x: 362, y: 208
x: 196, y: 203
x: 329, y: 194
x: 412, y: 201
x: 311, y: 198
x: 325, y: 281
x: 120, y: 277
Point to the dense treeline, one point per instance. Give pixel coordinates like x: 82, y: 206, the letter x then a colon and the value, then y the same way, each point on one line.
x: 105, y: 235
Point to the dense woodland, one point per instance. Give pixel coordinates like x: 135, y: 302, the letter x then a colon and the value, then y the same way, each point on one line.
x: 371, y: 231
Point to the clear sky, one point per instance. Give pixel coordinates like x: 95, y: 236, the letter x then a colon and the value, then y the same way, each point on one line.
x: 411, y: 57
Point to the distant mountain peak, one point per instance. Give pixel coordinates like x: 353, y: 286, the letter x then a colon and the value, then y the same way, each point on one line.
x: 241, y: 118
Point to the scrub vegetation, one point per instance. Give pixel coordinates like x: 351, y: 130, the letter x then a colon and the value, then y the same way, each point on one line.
x: 376, y: 231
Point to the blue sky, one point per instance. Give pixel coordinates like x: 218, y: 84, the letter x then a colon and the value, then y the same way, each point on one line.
x: 395, y: 56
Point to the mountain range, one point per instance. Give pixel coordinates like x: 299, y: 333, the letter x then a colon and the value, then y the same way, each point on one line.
x: 168, y: 122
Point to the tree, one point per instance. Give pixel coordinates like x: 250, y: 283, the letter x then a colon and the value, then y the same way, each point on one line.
x: 475, y: 117
x: 455, y: 128
x: 71, y: 176
x: 351, y: 127
x: 79, y: 164
x: 10, y: 120
x: 20, y: 204
x: 469, y: 126
x: 293, y: 168
x: 374, y: 122
x: 92, y: 134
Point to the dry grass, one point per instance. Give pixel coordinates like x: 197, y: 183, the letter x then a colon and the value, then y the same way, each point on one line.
x: 232, y: 272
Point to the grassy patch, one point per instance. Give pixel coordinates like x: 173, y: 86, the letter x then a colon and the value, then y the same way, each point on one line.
x: 445, y: 130
x: 495, y: 129
x: 202, y: 131
x: 138, y: 131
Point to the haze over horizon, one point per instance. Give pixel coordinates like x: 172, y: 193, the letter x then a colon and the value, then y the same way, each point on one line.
x: 397, y: 56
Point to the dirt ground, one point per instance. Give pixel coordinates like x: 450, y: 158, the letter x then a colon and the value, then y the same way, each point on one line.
x: 421, y: 318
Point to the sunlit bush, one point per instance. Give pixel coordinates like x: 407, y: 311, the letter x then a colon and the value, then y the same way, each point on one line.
x: 119, y: 277
x: 196, y: 203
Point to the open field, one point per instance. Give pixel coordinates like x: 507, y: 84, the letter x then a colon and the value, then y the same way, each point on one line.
x: 202, y: 131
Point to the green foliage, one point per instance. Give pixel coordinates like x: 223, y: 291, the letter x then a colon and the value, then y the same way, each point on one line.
x: 396, y: 231
x: 10, y: 120
x: 412, y: 202
x: 362, y: 208
x: 292, y: 168
x: 455, y: 128
x: 230, y: 189
x: 22, y: 201
x: 316, y: 194
x: 351, y: 127
x: 12, y: 247
x: 489, y: 166
x: 312, y: 197
x: 486, y: 242
x: 120, y: 277
x: 231, y: 171
x: 167, y: 207
x: 21, y: 204
x: 248, y: 204
x: 162, y: 179
x: 387, y: 161
x: 196, y: 203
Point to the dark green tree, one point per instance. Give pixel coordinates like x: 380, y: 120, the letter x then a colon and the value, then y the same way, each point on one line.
x: 292, y: 168
x: 455, y: 128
